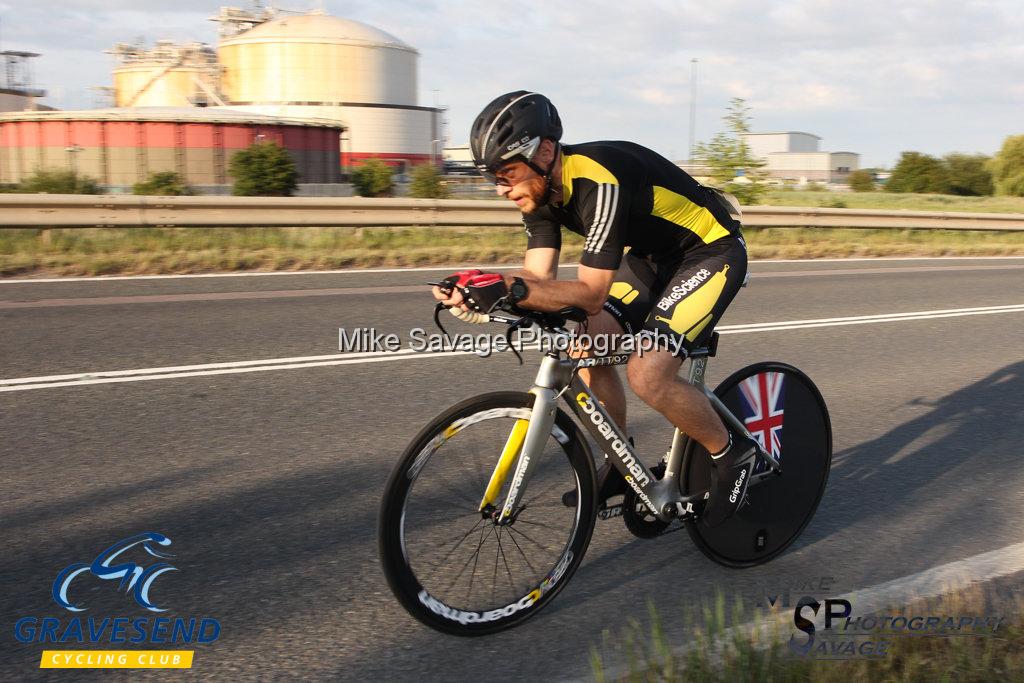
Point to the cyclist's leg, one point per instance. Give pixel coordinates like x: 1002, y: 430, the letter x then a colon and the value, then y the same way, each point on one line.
x: 629, y: 300
x: 703, y: 285
x: 653, y: 378
x: 682, y: 317
x: 628, y: 303
x: 604, y: 381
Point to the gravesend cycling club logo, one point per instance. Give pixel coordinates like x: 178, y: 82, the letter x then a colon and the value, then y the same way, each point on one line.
x: 133, y: 577
x: 128, y: 566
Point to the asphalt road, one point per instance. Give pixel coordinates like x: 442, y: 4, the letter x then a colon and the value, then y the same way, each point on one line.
x: 268, y: 482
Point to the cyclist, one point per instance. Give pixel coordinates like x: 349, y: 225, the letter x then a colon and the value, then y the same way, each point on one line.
x: 686, y: 262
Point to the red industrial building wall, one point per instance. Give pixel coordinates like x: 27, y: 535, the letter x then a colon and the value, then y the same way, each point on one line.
x: 125, y: 152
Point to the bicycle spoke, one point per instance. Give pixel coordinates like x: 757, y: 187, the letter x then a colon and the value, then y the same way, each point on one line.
x: 520, y: 532
x: 541, y: 524
x: 508, y: 570
x: 476, y: 554
x: 456, y: 546
x: 520, y: 549
x: 494, y: 579
x: 472, y: 574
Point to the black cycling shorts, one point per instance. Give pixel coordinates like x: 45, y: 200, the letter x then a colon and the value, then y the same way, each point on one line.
x: 681, y: 298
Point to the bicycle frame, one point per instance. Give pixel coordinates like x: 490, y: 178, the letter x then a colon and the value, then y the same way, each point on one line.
x: 555, y: 379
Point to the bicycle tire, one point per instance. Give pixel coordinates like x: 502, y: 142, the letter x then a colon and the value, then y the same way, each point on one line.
x: 421, y: 478
x: 778, y: 509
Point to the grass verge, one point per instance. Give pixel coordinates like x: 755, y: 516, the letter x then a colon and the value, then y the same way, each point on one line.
x: 146, y: 251
x: 894, y: 200
x: 717, y: 653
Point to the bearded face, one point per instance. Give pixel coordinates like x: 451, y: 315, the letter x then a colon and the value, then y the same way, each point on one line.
x: 528, y: 194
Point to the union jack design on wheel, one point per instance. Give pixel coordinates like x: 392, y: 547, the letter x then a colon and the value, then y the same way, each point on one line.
x: 763, y: 400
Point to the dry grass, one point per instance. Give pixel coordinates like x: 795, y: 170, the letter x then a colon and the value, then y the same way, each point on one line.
x: 717, y: 653
x: 118, y: 251
x: 894, y: 200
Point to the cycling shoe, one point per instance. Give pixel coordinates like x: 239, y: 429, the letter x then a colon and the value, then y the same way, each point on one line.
x: 730, y: 475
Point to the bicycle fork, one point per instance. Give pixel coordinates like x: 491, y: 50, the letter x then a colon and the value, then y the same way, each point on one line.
x: 526, y: 441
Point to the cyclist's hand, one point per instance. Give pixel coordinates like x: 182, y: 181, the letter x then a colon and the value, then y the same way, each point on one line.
x: 450, y: 298
x: 484, y: 290
x: 448, y: 291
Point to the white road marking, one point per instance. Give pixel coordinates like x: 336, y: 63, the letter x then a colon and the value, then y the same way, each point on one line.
x: 170, y: 372
x: 868, y: 319
x: 427, y: 269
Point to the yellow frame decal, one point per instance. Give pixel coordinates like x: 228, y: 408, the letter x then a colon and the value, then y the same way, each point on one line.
x: 513, y: 446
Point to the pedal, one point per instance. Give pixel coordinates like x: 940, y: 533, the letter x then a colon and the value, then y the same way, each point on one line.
x: 610, y: 511
x: 683, y: 510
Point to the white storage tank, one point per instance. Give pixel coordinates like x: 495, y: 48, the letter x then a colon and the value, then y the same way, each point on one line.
x: 319, y: 66
x: 168, y: 75
x: 315, y: 58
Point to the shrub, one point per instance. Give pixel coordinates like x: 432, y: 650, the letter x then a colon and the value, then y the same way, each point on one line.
x: 373, y: 179
x: 427, y: 183
x: 862, y: 180
x: 917, y: 172
x: 163, y: 183
x: 1007, y: 167
x: 59, y: 182
x: 968, y: 174
x: 264, y: 169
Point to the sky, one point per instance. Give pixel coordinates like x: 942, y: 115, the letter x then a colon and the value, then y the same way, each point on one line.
x: 874, y: 77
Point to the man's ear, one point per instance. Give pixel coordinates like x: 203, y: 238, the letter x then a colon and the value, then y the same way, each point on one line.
x: 545, y: 154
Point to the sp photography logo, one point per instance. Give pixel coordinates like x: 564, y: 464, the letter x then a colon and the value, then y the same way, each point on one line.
x: 830, y: 628
x: 129, y: 564
x: 869, y: 636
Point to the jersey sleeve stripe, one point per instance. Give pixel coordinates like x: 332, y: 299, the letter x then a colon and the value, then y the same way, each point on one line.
x: 606, y: 228
x: 598, y: 217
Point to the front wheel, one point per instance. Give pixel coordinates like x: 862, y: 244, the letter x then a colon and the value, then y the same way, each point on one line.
x: 786, y: 414
x: 449, y: 562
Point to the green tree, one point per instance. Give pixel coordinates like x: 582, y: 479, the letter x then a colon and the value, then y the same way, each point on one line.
x: 862, y: 180
x: 373, y: 179
x: 58, y: 182
x: 264, y: 169
x: 968, y: 174
x: 917, y: 172
x: 1007, y: 167
x: 427, y: 183
x: 729, y: 157
x: 163, y: 184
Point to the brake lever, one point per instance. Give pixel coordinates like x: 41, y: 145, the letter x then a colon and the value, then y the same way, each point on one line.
x: 437, y: 320
x: 508, y: 339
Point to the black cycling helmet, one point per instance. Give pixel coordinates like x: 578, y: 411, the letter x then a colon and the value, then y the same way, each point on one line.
x: 511, y: 127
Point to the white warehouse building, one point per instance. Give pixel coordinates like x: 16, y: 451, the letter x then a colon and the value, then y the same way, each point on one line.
x: 795, y: 156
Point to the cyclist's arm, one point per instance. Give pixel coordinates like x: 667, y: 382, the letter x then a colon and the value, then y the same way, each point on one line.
x: 540, y: 264
x: 588, y: 292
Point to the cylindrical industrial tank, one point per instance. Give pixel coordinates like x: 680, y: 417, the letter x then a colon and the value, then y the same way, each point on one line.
x: 317, y: 60
x: 155, y: 85
x: 167, y: 75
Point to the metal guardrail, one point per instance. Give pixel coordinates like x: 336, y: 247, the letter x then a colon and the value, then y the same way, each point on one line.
x: 73, y: 211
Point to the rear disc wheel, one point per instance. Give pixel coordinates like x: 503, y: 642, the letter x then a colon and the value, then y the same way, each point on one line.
x: 785, y: 412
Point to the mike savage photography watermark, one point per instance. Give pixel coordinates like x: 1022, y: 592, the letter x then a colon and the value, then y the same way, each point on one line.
x: 418, y: 340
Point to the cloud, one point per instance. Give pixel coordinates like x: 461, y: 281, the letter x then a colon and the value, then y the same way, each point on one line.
x: 874, y: 76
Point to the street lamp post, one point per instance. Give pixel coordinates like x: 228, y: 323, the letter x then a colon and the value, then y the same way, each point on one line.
x: 693, y: 105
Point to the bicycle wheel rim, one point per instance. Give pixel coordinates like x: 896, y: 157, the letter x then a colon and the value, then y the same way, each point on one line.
x: 529, y: 560
x: 784, y: 411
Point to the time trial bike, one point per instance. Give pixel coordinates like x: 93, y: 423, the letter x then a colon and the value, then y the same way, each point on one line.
x: 490, y: 509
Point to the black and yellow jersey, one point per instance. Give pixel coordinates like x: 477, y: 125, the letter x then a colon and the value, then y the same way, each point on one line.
x: 620, y: 194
